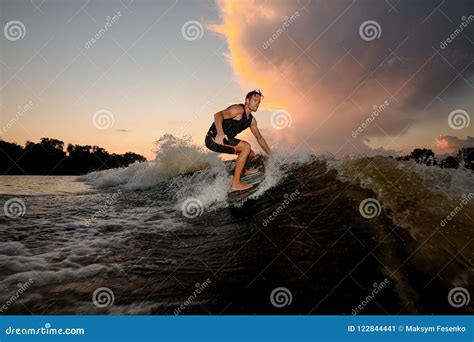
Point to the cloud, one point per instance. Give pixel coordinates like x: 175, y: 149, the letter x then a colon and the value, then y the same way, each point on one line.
x: 122, y: 130
x: 452, y: 144
x: 310, y: 59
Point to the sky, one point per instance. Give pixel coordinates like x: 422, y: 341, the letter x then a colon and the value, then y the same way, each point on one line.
x: 342, y: 76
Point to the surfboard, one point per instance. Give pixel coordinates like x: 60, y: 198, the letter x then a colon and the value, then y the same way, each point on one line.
x: 237, y: 197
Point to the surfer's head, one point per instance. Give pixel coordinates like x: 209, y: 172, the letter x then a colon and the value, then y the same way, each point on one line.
x: 253, y: 98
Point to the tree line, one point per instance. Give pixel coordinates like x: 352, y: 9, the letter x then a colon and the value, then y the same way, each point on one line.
x: 464, y: 158
x: 48, y: 157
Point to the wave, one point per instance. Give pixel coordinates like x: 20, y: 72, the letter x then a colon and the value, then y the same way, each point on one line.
x: 421, y: 240
x: 414, y: 194
x: 191, y: 172
x: 174, y: 157
x: 432, y: 204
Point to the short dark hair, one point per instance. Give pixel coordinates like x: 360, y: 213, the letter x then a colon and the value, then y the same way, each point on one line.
x: 253, y: 93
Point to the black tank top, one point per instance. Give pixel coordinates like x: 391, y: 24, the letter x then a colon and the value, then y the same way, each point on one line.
x: 232, y: 127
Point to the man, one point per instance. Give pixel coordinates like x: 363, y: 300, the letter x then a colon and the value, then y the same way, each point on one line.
x: 227, y: 124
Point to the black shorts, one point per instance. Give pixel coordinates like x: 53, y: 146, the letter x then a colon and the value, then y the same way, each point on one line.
x: 228, y: 147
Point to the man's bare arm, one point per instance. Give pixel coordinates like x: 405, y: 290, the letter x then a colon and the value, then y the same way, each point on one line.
x: 260, y: 139
x: 219, y: 117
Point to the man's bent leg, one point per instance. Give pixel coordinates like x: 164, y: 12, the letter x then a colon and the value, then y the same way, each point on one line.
x: 249, y: 159
x: 243, y: 149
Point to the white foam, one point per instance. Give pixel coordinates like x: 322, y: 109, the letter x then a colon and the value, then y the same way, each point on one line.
x: 12, y: 248
x: 42, y: 278
x: 192, y: 172
x: 174, y: 157
x: 277, y: 167
x: 209, y: 187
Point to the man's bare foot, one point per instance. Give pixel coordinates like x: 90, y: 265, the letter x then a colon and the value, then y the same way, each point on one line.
x: 241, y: 186
x: 249, y: 172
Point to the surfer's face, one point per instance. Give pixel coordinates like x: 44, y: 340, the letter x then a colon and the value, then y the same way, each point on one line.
x: 254, y: 102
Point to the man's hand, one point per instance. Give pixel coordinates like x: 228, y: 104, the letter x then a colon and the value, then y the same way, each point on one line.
x: 219, y: 117
x: 220, y: 138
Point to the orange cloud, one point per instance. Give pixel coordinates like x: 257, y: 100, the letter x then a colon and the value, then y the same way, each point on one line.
x: 251, y: 67
x: 452, y: 144
x: 315, y: 65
